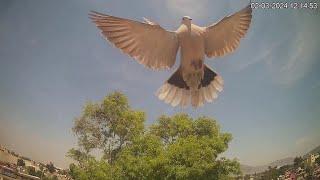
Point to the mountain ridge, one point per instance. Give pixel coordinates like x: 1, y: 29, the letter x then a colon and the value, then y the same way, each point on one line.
x: 247, y: 169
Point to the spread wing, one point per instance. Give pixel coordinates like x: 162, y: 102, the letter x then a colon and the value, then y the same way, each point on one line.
x: 148, y: 43
x: 224, y: 36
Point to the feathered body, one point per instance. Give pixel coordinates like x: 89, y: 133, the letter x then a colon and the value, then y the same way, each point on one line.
x: 192, y: 54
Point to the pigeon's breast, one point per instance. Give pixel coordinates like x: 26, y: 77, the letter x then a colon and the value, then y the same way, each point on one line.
x: 192, y: 47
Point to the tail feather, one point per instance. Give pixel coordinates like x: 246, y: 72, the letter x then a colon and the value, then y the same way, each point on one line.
x: 185, y: 98
x: 202, y: 98
x: 207, y: 95
x: 177, y: 100
x: 210, y: 85
x: 195, y: 97
x: 171, y: 95
x: 176, y: 92
x: 163, y: 91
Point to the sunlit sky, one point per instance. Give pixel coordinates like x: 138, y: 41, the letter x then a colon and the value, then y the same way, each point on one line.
x: 53, y: 60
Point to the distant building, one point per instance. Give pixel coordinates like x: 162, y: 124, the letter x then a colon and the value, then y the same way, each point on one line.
x: 301, y: 173
x: 316, y: 172
x: 290, y: 175
x: 312, y: 159
x: 7, y: 173
x: 10, y: 173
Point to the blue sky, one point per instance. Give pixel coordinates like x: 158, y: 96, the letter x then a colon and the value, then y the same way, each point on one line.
x: 53, y: 60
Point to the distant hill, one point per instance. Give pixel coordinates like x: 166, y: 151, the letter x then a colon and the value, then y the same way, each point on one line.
x: 313, y: 151
x: 257, y: 169
x: 286, y: 161
x: 7, y: 157
x: 282, y: 162
x: 246, y: 169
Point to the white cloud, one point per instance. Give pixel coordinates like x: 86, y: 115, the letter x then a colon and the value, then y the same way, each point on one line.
x: 265, y: 55
x: 300, y: 59
x: 290, y: 60
x: 195, y: 9
x: 300, y: 55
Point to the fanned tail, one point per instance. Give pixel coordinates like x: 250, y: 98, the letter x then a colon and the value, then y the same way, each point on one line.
x: 175, y: 90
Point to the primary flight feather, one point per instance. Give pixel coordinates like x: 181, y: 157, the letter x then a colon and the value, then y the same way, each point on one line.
x: 156, y: 48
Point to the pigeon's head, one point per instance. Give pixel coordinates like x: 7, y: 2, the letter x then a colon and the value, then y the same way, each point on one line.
x: 186, y: 20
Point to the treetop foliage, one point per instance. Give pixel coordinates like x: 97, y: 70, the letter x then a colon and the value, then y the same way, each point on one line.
x: 174, y: 147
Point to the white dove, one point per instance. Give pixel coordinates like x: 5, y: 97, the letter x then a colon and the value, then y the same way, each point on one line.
x: 156, y: 48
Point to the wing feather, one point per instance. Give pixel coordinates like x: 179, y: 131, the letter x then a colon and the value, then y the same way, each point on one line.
x: 224, y: 37
x: 148, y: 43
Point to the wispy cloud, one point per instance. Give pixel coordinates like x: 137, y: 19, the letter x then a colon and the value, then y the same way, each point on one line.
x: 299, y: 58
x: 291, y: 57
x: 196, y: 9
x: 265, y: 55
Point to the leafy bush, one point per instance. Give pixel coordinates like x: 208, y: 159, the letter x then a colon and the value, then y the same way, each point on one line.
x: 176, y: 147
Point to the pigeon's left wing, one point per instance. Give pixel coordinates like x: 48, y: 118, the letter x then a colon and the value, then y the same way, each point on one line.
x: 224, y: 37
x: 148, y: 43
x: 149, y: 22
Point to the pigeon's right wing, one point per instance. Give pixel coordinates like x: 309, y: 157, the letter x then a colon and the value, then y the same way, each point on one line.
x: 148, y: 43
x: 224, y: 37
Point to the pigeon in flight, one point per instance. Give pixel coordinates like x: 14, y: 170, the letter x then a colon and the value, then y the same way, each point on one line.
x: 151, y: 45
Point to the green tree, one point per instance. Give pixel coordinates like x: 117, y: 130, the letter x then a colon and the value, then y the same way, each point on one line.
x: 318, y: 160
x: 246, y: 177
x: 309, y: 172
x: 20, y: 162
x: 142, y: 159
x: 297, y: 162
x: 51, y: 177
x: 79, y: 156
x: 31, y: 171
x: 93, y: 169
x: 39, y: 174
x: 271, y: 173
x: 177, y: 147
x: 51, y: 167
x: 108, y: 125
x: 192, y: 148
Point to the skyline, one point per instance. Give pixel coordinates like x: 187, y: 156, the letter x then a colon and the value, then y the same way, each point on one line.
x: 53, y: 60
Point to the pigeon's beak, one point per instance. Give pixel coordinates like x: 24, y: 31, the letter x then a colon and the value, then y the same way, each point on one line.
x: 190, y: 19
